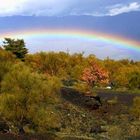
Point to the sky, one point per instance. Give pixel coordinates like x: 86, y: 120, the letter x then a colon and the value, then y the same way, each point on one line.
x: 112, y: 17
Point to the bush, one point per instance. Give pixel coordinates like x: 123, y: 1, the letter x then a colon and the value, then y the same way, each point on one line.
x: 81, y: 86
x: 135, y: 110
x: 6, y: 61
x: 27, y: 97
x: 134, y: 82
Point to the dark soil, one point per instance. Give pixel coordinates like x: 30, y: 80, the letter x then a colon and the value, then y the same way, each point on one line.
x: 80, y: 99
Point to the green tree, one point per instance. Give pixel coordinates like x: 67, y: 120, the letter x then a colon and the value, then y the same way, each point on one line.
x: 17, y: 47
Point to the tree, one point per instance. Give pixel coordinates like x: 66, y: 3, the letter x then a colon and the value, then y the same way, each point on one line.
x: 94, y: 75
x: 17, y: 47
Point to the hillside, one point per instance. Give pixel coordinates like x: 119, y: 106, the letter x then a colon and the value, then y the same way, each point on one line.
x: 84, y: 118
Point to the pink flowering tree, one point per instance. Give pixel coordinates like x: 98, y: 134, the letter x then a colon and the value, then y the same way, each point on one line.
x: 94, y: 75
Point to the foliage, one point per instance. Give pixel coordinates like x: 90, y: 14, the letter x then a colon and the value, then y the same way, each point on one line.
x: 26, y: 97
x: 81, y: 86
x: 94, y: 75
x: 17, y: 47
x: 123, y: 73
x: 135, y: 110
x: 6, y: 61
x: 63, y: 65
x: 134, y: 80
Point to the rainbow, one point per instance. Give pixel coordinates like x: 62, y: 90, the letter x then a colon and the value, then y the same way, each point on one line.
x: 76, y: 34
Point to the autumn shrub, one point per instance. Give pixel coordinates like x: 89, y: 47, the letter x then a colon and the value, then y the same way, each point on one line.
x: 81, y: 86
x: 115, y: 132
x: 50, y: 63
x: 135, y: 109
x: 95, y: 75
x: 134, y: 80
x: 6, y: 61
x: 27, y: 98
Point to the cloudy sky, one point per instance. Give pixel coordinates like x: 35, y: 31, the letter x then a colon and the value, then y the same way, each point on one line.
x: 67, y: 7
x: 117, y: 17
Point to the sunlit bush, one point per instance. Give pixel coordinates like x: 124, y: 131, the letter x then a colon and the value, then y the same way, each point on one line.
x: 81, y: 86
x: 26, y: 97
x: 135, y: 110
x: 6, y: 61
